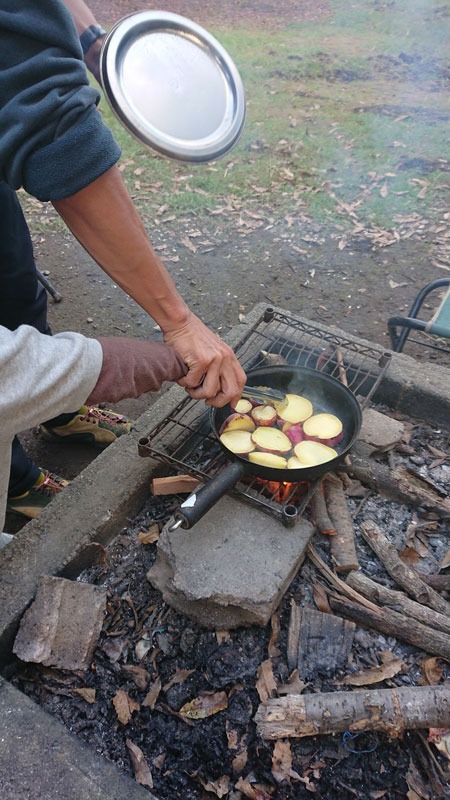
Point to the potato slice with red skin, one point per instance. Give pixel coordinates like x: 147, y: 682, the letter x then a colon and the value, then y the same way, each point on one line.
x: 295, y: 433
x: 271, y: 440
x: 264, y: 415
x: 294, y: 409
x: 311, y: 454
x: 243, y: 406
x: 325, y: 428
x: 294, y: 463
x: 237, y: 422
x: 267, y: 460
x: 239, y: 442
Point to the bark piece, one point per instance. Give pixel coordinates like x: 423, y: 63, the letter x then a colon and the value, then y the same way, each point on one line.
x: 174, y: 484
x: 62, y: 626
x: 391, y: 711
x: 391, y: 623
x: 406, y: 577
x: 343, y: 550
x: 324, y: 644
x: 398, y: 602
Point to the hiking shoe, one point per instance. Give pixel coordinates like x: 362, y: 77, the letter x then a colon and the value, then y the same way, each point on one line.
x: 31, y: 503
x: 92, y: 424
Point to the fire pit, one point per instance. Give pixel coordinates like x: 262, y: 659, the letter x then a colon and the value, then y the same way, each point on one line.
x: 176, y: 705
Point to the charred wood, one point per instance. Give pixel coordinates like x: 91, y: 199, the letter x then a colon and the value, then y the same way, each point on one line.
x: 392, y: 623
x: 391, y: 711
x: 396, y: 484
x: 406, y: 577
x: 398, y: 602
x: 324, y: 643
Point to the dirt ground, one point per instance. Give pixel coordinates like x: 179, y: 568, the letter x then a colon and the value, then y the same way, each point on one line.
x: 298, y: 266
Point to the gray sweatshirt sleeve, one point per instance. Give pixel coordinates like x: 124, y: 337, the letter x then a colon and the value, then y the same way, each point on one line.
x: 40, y: 377
x: 53, y: 141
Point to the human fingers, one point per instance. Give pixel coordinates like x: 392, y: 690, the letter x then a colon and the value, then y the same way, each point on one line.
x: 231, y: 383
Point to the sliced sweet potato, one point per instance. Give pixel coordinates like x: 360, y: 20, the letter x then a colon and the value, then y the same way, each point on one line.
x: 237, y: 422
x: 325, y: 428
x: 311, y: 454
x: 295, y: 408
x: 239, y: 442
x: 271, y: 440
x: 267, y: 459
x: 264, y: 415
x: 243, y: 406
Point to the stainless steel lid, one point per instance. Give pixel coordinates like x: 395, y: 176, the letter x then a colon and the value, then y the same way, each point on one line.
x: 173, y: 86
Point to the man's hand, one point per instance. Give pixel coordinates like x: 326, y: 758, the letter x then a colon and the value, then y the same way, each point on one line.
x: 215, y: 374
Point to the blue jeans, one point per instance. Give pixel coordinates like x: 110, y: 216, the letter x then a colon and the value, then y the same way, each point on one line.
x: 23, y: 301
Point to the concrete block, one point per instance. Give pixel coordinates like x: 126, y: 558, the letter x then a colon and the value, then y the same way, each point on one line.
x: 62, y: 626
x: 232, y: 568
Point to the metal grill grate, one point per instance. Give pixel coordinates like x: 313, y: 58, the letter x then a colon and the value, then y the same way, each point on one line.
x: 183, y: 439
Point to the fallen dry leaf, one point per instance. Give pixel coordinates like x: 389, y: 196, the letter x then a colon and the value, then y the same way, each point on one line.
x: 253, y: 790
x: 266, y: 685
x: 373, y: 675
x: 281, y: 760
x: 433, y: 670
x: 139, y: 675
x: 238, y: 744
x: 86, y: 694
x: 140, y: 767
x: 205, y: 705
x: 409, y: 555
x: 149, y: 536
x: 220, y: 787
x: 190, y: 245
x: 222, y: 636
x: 124, y: 706
x: 294, y: 685
x: 179, y: 676
x: 152, y: 695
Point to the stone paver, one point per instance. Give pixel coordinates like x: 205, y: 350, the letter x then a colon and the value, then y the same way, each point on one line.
x: 63, y: 624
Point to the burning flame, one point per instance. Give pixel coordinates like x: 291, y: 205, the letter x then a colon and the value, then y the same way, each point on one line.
x: 281, y: 492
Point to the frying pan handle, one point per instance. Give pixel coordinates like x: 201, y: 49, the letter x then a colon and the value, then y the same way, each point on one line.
x: 198, y: 503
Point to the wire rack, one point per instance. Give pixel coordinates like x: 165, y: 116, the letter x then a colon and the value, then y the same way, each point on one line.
x: 184, y: 440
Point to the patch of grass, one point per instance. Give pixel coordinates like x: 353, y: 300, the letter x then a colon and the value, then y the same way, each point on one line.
x: 304, y: 135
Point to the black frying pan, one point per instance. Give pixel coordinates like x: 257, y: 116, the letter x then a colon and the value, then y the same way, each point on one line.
x: 326, y: 395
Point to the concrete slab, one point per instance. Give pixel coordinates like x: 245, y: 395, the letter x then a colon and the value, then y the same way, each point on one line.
x: 232, y: 568
x: 40, y: 759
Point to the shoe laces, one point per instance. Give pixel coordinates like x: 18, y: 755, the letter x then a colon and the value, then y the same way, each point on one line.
x: 51, y: 485
x: 96, y: 414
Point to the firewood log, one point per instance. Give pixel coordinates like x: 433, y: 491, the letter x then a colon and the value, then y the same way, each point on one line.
x: 392, y: 623
x: 391, y: 711
x: 406, y: 577
x: 342, y: 546
x: 398, y: 601
x: 395, y: 484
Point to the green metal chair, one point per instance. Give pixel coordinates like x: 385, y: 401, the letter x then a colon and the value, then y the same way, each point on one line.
x: 436, y: 329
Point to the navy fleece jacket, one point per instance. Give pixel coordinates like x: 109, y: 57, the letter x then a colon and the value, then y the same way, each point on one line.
x: 53, y: 142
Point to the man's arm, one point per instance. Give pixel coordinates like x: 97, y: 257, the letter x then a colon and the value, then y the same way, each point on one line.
x: 105, y: 221
x: 84, y: 19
